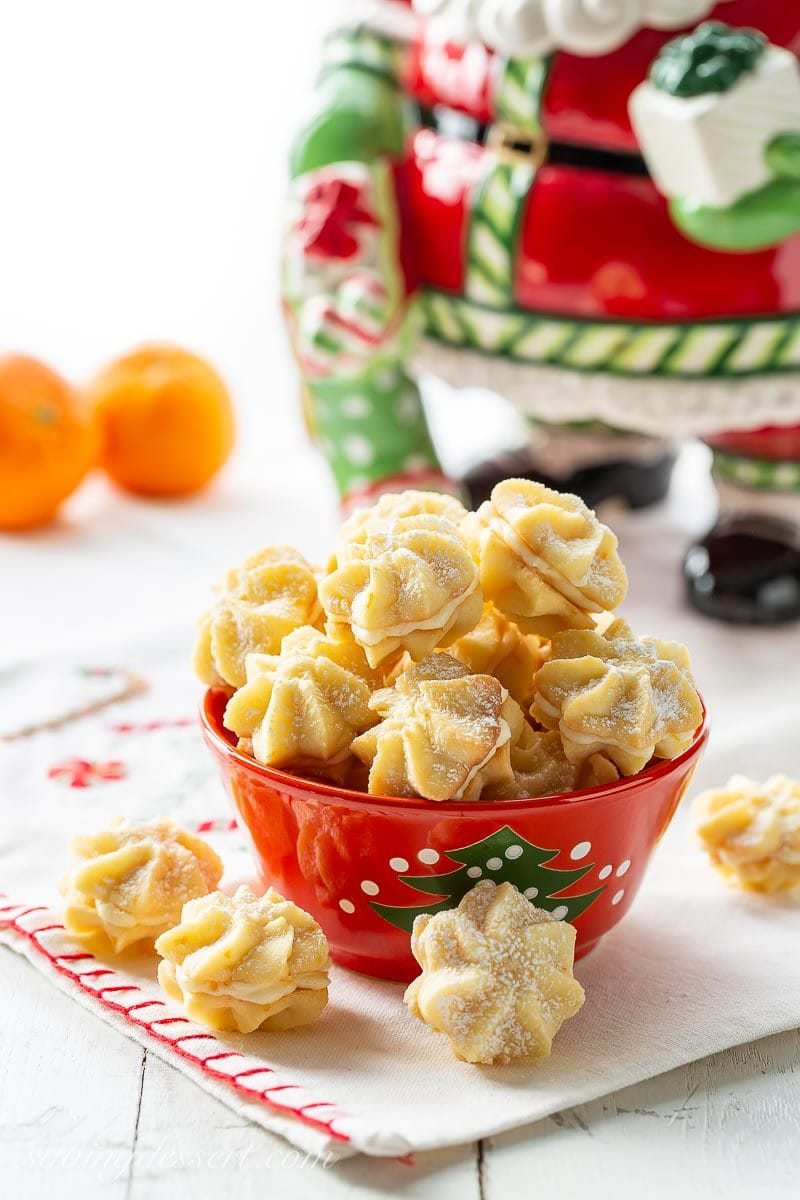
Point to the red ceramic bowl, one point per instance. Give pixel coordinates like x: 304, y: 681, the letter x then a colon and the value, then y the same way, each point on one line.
x: 366, y: 865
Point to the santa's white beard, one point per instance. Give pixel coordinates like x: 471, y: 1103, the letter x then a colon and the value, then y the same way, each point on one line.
x: 529, y: 28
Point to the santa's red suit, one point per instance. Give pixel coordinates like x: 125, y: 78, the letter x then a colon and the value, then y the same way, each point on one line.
x: 551, y: 268
x: 597, y: 240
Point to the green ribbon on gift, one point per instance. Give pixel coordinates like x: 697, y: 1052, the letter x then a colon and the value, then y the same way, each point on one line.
x: 758, y: 220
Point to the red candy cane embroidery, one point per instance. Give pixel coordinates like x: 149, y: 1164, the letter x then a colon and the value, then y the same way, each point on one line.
x: 217, y: 825
x: 81, y: 773
x: 120, y: 998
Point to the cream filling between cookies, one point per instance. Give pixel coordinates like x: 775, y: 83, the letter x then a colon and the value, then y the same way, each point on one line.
x: 253, y: 993
x: 560, y: 584
x: 547, y: 708
x: 503, y: 736
x: 589, y: 739
x: 585, y: 739
x: 120, y: 919
x: 372, y: 637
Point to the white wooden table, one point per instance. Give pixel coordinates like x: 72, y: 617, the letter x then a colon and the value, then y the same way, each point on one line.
x: 85, y: 1112
x: 147, y: 147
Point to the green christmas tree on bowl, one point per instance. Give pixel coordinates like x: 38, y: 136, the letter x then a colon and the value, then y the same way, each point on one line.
x: 504, y: 857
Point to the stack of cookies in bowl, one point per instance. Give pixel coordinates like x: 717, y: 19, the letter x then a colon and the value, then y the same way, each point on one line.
x: 448, y: 655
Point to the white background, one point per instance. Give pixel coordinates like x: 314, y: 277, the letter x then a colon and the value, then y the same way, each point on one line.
x: 142, y: 173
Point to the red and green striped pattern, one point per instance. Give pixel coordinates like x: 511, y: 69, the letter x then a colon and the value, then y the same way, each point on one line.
x: 726, y: 349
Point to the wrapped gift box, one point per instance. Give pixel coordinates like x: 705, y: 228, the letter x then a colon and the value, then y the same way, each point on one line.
x: 711, y: 147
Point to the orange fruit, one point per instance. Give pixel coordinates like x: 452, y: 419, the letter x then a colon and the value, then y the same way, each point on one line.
x: 47, y: 442
x: 166, y: 421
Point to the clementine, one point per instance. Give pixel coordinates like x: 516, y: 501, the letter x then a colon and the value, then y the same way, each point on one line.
x: 166, y: 421
x: 47, y: 442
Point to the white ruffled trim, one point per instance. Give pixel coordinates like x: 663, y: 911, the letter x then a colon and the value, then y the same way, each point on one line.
x: 657, y: 406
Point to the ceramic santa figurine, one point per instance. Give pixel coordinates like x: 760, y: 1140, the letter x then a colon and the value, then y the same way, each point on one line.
x: 591, y: 207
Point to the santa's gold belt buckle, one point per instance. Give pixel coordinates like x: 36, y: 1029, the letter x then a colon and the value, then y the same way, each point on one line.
x: 517, y: 146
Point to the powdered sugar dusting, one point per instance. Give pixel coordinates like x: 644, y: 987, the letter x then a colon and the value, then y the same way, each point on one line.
x: 497, y: 975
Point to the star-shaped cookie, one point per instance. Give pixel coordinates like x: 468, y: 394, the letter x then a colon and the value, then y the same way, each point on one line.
x: 258, y: 603
x: 245, y: 962
x: 445, y: 734
x: 751, y: 831
x: 410, y: 585
x: 496, y: 975
x: 546, y: 561
x: 612, y: 694
x: 301, y: 709
x: 128, y: 883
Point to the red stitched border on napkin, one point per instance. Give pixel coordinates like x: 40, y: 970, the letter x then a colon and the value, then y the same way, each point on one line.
x: 10, y: 917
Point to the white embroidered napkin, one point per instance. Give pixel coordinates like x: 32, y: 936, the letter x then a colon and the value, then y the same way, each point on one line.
x: 694, y: 968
